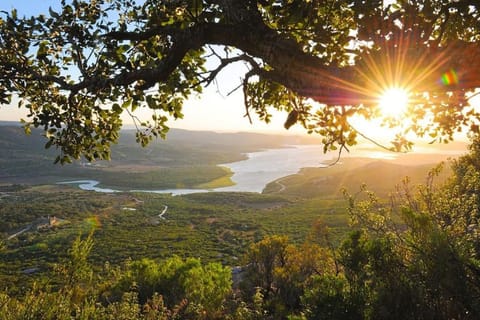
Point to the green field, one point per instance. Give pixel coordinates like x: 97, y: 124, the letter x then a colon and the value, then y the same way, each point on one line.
x: 213, y: 226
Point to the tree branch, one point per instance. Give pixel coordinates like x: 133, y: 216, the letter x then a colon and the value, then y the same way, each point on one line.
x: 304, y: 74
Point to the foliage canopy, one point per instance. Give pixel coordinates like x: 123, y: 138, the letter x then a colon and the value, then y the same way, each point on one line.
x: 77, y: 70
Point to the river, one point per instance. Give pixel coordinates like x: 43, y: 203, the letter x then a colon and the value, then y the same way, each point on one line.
x: 260, y: 168
x: 250, y: 175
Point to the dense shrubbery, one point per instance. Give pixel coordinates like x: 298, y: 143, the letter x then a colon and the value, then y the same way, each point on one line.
x: 416, y: 256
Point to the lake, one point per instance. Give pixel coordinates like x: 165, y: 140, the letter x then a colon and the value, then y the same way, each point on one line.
x: 250, y: 175
x: 260, y: 168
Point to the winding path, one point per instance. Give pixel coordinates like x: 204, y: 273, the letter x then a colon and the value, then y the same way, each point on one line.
x: 20, y: 232
x: 163, y: 212
x: 282, y: 186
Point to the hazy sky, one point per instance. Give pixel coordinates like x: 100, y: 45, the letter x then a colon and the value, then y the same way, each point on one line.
x: 212, y: 111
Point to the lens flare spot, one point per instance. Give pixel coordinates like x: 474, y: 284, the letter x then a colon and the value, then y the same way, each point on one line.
x: 93, y: 222
x: 450, y: 78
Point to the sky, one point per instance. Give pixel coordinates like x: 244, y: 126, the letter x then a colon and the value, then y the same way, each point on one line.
x: 214, y: 110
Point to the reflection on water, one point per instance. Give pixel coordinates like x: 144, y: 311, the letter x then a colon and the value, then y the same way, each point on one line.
x: 254, y: 173
x: 382, y: 155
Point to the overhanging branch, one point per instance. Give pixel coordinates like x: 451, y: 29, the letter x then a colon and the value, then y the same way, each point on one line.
x: 304, y: 74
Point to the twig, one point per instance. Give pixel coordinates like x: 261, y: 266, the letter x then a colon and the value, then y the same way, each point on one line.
x: 245, y: 94
x: 370, y: 139
x: 338, y: 157
x: 234, y: 89
x: 134, y: 118
x: 473, y: 95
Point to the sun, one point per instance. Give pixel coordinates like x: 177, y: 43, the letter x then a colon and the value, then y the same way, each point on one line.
x: 393, y: 102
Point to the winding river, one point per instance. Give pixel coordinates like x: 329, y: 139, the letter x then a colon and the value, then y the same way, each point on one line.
x: 260, y: 168
x: 250, y: 175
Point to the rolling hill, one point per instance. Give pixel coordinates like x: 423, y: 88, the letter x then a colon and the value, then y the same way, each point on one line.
x: 25, y: 160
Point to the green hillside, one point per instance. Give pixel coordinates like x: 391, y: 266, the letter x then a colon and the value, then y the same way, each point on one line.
x: 186, y: 159
x: 380, y: 176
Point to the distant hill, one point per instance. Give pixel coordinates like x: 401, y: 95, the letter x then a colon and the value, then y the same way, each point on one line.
x: 380, y: 176
x: 23, y: 154
x: 24, y: 158
x: 189, y: 158
x: 184, y: 147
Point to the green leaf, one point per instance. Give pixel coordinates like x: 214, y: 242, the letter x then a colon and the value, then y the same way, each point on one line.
x: 53, y: 14
x: 116, y: 108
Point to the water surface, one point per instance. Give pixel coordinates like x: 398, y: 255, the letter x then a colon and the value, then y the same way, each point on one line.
x: 249, y: 175
x: 263, y: 167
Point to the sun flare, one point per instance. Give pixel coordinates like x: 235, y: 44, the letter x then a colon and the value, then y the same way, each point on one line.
x: 393, y: 102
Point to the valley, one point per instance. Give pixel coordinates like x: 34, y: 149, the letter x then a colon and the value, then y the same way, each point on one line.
x: 214, y: 226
